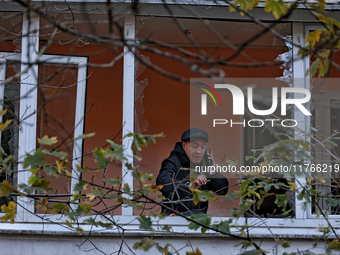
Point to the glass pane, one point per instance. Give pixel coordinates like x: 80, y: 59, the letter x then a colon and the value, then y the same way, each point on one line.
x: 325, y: 122
x: 57, y: 88
x: 335, y: 131
x: 10, y: 31
x: 164, y: 103
x: 104, y: 90
x: 9, y: 137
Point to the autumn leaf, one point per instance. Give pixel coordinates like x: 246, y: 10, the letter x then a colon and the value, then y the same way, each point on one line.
x: 5, y: 188
x: 10, y: 211
x: 48, y: 141
x: 278, y: 8
x: 5, y: 125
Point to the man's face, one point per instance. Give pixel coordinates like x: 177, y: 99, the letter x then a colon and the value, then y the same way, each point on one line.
x: 195, y: 149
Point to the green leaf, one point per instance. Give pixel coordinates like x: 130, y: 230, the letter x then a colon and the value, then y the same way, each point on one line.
x: 51, y: 170
x: 84, y: 208
x: 250, y: 157
x: 246, y: 5
x: 301, y: 194
x: 114, y: 182
x: 84, y: 136
x: 143, y: 177
x: 145, y: 222
x: 30, y: 189
x: 161, y: 197
x: 81, y: 169
x: 57, y: 154
x: 2, y: 151
x: 43, y: 183
x: 253, y: 252
x: 206, y: 195
x: 196, y: 198
x: 115, y: 145
x: 97, y: 192
x: 277, y: 7
x: 136, y: 144
x: 34, y: 160
x: 127, y: 189
x: 91, y: 221
x: 230, y: 196
x: 48, y: 141
x: 73, y: 214
x: 332, y: 201
x: 59, y: 207
x: 283, y: 243
x: 100, y: 157
x: 145, y: 244
x: 223, y: 226
x: 204, y: 219
x: 166, y: 228
x: 112, y: 196
x: 80, y: 186
x: 327, y: 20
x: 244, y: 185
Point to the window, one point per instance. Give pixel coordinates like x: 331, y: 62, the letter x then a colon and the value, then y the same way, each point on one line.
x: 9, y: 97
x: 256, y: 138
x: 58, y: 93
x: 168, y: 105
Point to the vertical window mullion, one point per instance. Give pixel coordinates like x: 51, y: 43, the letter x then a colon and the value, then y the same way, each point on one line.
x: 300, y: 81
x: 128, y: 102
x: 79, y: 121
x: 28, y: 102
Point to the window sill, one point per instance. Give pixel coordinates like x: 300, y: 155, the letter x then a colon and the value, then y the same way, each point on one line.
x: 261, y: 228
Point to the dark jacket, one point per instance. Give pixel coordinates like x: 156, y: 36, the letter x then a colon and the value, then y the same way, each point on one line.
x: 175, y: 179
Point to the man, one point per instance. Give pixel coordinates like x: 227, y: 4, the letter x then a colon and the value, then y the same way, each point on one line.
x: 175, y: 174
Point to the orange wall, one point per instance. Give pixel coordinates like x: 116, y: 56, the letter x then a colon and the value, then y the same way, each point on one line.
x: 103, y: 107
x: 167, y: 104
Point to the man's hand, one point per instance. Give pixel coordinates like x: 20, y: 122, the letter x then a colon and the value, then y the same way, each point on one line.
x: 201, y: 180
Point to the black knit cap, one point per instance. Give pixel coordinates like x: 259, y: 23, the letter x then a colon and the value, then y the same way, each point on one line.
x: 194, y: 133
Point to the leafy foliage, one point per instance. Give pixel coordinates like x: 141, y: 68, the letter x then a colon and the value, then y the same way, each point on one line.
x: 252, y: 191
x: 10, y: 212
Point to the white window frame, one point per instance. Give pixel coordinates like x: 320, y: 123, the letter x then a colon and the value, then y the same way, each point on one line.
x: 81, y: 62
x: 307, y: 29
x: 28, y: 105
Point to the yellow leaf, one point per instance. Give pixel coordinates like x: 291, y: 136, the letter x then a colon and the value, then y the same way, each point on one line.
x: 3, y: 112
x: 90, y: 196
x: 322, y: 180
x: 317, y: 213
x: 277, y: 7
x: 5, y: 188
x: 4, y: 125
x: 292, y: 185
x: 313, y: 37
x: 10, y: 211
x: 48, y: 141
x: 61, y: 166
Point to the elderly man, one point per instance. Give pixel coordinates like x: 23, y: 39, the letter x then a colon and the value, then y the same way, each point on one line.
x: 175, y: 174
